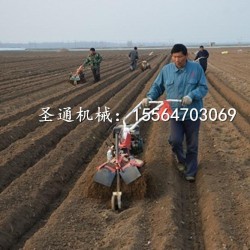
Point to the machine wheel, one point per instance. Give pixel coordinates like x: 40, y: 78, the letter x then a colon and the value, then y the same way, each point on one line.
x: 116, y: 203
x: 119, y: 202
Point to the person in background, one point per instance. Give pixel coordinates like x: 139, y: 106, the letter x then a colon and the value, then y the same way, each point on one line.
x: 133, y: 56
x: 202, y: 57
x: 182, y: 80
x: 94, y: 60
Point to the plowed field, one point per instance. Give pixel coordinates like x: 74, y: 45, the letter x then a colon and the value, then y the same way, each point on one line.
x: 48, y: 199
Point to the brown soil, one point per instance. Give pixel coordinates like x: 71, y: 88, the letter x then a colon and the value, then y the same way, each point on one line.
x: 48, y: 199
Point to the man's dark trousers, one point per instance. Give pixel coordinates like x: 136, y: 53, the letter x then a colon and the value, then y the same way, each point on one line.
x: 190, y: 129
x: 96, y: 73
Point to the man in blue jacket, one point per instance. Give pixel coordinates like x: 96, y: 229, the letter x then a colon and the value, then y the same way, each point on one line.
x: 184, y: 80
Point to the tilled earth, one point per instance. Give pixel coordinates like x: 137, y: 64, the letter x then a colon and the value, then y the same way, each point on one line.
x: 48, y: 199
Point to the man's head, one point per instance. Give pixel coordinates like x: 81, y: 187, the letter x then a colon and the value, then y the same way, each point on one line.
x: 135, y: 48
x: 179, y: 55
x: 92, y: 51
x: 201, y: 47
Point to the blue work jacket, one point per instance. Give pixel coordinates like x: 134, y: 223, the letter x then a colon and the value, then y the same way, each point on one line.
x: 178, y: 83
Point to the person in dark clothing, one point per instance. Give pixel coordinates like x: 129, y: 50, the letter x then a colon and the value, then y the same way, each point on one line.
x: 133, y: 55
x: 94, y: 60
x: 202, y: 57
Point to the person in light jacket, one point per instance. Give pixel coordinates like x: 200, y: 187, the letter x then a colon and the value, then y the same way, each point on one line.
x: 184, y: 80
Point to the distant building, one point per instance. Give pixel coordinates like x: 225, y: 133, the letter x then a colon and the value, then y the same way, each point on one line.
x: 129, y: 44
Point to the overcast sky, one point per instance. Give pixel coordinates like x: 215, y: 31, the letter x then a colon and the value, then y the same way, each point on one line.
x: 125, y: 20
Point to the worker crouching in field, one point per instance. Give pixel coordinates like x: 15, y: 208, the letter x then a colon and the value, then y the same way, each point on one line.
x: 78, y: 76
x: 145, y: 65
